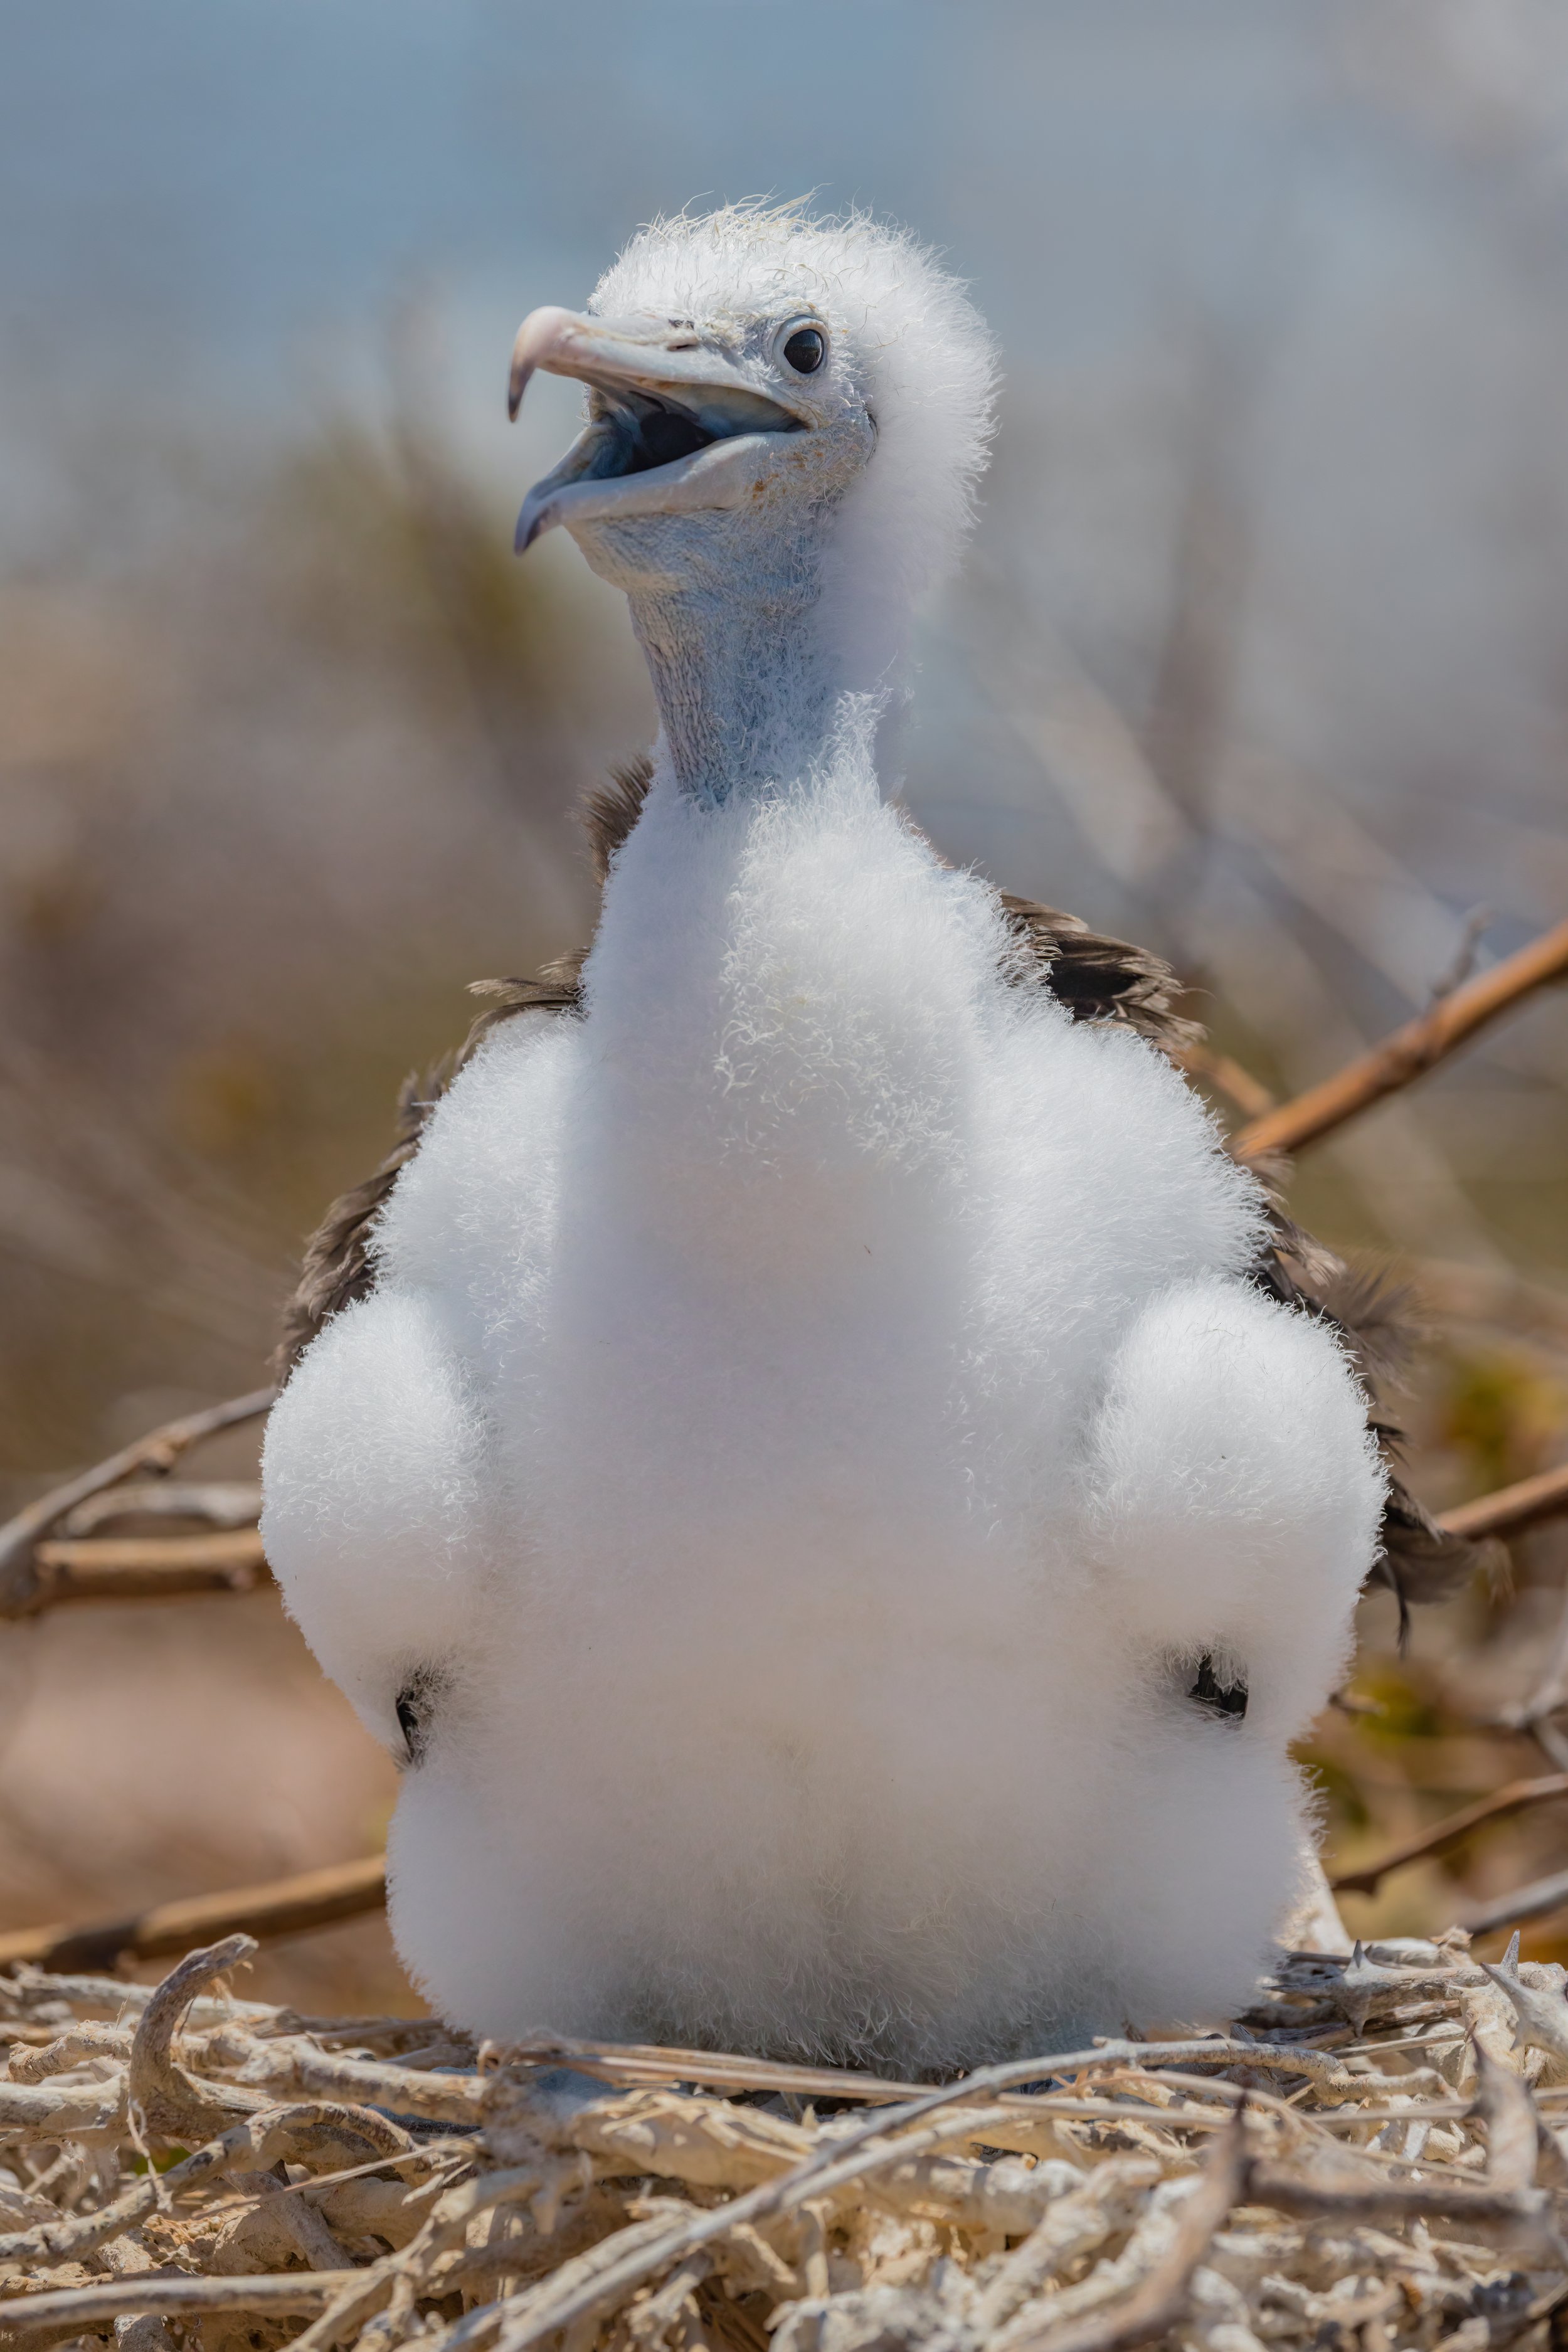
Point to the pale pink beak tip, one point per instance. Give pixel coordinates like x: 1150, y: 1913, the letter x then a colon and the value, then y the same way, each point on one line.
x: 539, y: 334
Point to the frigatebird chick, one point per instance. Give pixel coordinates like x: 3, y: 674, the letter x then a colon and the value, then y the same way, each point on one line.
x: 809, y: 1493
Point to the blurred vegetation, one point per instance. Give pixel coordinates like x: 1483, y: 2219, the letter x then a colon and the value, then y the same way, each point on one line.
x: 267, y: 803
x: 1261, y: 658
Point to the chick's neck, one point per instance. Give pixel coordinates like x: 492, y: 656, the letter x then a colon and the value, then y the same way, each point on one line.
x: 729, y: 623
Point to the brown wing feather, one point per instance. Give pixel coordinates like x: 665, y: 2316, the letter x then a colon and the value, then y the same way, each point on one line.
x: 338, y: 1266
x: 1098, y: 979
x: 610, y: 810
x: 1417, y: 1560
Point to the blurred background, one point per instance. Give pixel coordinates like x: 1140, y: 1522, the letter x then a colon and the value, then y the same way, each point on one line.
x: 1261, y: 657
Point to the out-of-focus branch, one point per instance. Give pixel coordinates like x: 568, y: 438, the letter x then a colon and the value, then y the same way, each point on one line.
x: 145, y: 1568
x: 1511, y: 1303
x: 1512, y: 1509
x: 1536, y: 1901
x: 1542, y: 1497
x: 155, y: 1453
x: 1227, y: 1076
x: 283, y: 1907
x: 220, y: 1503
x: 1408, y: 1052
x: 1517, y: 1798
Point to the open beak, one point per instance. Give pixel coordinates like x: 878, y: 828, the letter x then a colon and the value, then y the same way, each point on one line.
x: 674, y: 427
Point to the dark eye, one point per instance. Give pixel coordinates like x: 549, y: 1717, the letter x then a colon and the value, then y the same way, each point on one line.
x: 806, y: 350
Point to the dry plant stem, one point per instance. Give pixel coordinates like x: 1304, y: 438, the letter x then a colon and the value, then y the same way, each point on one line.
x: 1507, y: 2194
x: 1108, y: 2203
x: 576, y: 2280
x: 1516, y: 1798
x: 853, y: 2157
x: 1408, y: 1052
x: 221, y: 1503
x: 87, y: 2112
x: 146, y: 1568
x: 639, y: 2065
x: 1512, y: 1509
x: 157, y: 1452
x: 254, y: 2145
x: 541, y: 2311
x: 73, y: 2311
x: 1156, y: 2306
x: 1227, y: 1076
x: 284, y: 1907
x: 1537, y: 1900
x: 635, y: 2064
x: 122, y: 1998
x: 443, y: 2229
x: 288, y: 2066
x: 33, y: 2064
x: 169, y: 2103
x: 637, y: 2212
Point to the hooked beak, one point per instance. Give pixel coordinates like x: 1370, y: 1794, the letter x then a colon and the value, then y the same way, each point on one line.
x: 675, y: 426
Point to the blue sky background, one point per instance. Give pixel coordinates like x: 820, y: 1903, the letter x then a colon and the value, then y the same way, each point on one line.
x: 197, y: 191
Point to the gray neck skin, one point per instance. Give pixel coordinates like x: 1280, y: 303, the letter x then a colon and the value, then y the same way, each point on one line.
x: 746, y: 688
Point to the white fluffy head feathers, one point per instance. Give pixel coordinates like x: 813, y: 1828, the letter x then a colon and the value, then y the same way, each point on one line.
x: 773, y: 394
x: 926, y: 358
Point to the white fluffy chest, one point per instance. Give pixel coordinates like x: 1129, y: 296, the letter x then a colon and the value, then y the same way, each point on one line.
x: 800, y: 1446
x: 806, y: 1247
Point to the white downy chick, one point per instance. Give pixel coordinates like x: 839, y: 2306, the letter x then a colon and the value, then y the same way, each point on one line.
x: 812, y: 1499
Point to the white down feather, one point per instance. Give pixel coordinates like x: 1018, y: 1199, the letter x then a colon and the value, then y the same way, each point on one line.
x: 810, y: 1421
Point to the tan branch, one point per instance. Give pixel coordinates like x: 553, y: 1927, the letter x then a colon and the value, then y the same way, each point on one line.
x: 1514, y: 1799
x: 1408, y: 1052
x: 614, y: 2209
x: 1227, y: 1076
x: 219, y: 1503
x: 173, y: 2107
x: 145, y: 1567
x: 284, y: 1907
x: 1512, y: 1509
x: 1537, y: 1900
x: 155, y: 1453
x: 72, y: 2311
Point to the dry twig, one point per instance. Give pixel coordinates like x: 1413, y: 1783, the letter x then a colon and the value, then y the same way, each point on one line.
x: 145, y: 1568
x: 1511, y: 1510
x: 1409, y: 1052
x: 156, y: 1453
x: 1516, y: 1798
x: 1142, y: 2196
x: 283, y: 1907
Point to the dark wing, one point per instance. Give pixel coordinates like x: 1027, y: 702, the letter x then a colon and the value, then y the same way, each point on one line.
x: 1105, y: 980
x: 610, y: 810
x: 337, y: 1267
x: 1096, y: 977
x: 338, y: 1264
x: 1418, y: 1560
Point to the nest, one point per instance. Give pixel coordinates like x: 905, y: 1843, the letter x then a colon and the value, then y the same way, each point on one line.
x: 1372, y: 2155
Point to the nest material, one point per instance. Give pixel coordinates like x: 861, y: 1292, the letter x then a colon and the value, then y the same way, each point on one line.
x: 1373, y: 2156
